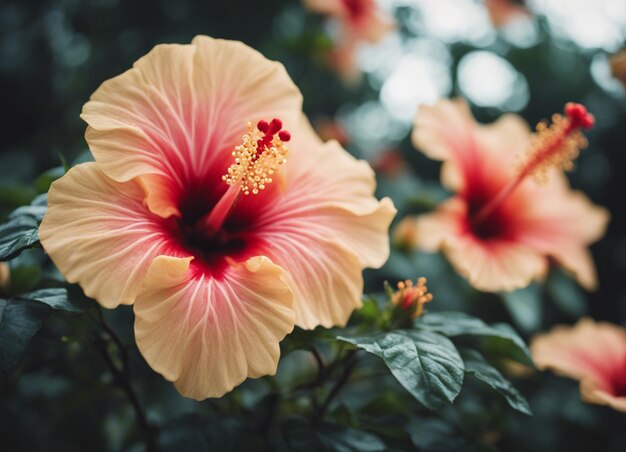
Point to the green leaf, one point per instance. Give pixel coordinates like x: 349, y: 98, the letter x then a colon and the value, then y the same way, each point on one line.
x: 58, y: 298
x: 19, y: 322
x: 23, y: 278
x: 22, y: 316
x: 20, y: 232
x: 300, y: 339
x: 524, y: 305
x: 14, y: 195
x: 43, y: 182
x: 566, y: 294
x: 191, y: 432
x: 476, y: 365
x: 370, y: 312
x: 427, y: 364
x: 500, y: 336
x: 438, y: 435
x: 303, y: 436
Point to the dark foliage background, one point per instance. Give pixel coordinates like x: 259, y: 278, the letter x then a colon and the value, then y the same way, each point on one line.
x: 53, y: 55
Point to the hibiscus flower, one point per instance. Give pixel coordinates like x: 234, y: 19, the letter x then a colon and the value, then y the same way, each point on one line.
x: 501, y: 229
x: 223, y: 228
x: 503, y: 12
x: 593, y: 353
x: 359, y: 21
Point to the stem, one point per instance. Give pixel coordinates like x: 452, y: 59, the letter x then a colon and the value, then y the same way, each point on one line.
x: 123, y: 350
x: 339, y: 384
x: 321, y: 368
x: 122, y: 378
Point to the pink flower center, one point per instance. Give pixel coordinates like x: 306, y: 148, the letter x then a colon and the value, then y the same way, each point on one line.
x: 553, y: 146
x: 219, y: 228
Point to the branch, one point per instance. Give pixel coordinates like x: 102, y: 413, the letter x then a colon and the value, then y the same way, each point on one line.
x: 351, y: 361
x: 122, y: 378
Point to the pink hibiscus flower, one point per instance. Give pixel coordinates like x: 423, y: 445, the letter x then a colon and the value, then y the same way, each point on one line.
x: 593, y: 353
x: 503, y: 12
x: 192, y: 213
x: 359, y: 21
x: 502, y: 229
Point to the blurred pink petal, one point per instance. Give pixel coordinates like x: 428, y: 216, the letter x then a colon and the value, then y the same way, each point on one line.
x: 593, y: 353
x: 497, y: 235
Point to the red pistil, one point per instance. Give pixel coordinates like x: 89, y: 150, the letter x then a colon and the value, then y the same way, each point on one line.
x: 579, y: 116
x: 248, y: 173
x: 269, y: 130
x: 284, y: 135
x: 555, y: 146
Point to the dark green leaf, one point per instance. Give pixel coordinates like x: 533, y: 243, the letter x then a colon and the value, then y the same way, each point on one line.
x: 301, y: 435
x: 476, y: 365
x: 566, y: 294
x: 301, y: 339
x: 58, y: 298
x: 19, y: 322
x: 427, y: 364
x: 43, y: 182
x: 20, y: 232
x: 438, y: 435
x: 524, y: 305
x: 14, y: 195
x: 500, y: 335
x: 23, y: 278
x: 22, y: 316
x: 370, y: 312
x: 191, y: 432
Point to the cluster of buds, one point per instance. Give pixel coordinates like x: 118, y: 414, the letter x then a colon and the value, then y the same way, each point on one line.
x: 412, y: 297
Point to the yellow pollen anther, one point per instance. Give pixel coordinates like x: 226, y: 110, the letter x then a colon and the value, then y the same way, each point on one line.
x: 256, y: 159
x: 412, y: 297
x: 553, y: 145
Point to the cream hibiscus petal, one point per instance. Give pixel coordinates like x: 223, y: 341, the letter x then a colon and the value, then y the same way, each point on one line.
x: 207, y: 334
x: 497, y: 265
x: 443, y: 131
x: 592, y: 352
x: 100, y: 235
x: 563, y: 227
x: 326, y: 278
x: 349, y: 184
x: 343, y: 208
x: 432, y: 229
x: 180, y: 106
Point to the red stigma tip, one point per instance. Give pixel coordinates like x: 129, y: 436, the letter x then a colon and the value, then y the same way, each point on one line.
x: 579, y: 116
x: 275, y: 126
x: 262, y: 125
x: 284, y: 135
